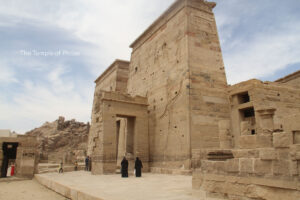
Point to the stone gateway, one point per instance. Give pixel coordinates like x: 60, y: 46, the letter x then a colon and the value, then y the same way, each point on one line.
x: 171, y: 106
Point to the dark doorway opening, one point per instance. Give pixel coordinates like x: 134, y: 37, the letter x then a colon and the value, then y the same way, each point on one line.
x: 9, y: 155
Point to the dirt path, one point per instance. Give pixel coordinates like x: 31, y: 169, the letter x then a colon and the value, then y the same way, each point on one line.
x: 26, y: 190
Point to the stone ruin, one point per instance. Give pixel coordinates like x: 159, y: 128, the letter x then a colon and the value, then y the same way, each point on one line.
x: 172, y: 107
x: 20, y: 150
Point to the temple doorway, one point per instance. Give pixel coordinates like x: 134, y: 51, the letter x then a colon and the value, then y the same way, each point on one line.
x: 9, y: 156
x: 125, y: 139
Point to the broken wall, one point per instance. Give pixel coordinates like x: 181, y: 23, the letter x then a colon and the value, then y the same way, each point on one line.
x: 285, y: 99
x: 27, y: 155
x: 262, y: 164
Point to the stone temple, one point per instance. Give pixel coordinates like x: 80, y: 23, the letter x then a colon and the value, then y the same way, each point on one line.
x: 171, y: 106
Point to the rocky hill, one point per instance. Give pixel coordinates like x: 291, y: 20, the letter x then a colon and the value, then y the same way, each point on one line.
x: 62, y: 140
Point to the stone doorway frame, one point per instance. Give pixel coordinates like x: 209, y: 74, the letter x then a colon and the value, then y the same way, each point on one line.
x: 7, y: 156
x: 112, y: 105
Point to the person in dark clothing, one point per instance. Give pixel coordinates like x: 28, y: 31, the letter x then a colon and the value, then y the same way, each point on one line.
x: 124, y: 168
x: 87, y: 160
x: 76, y: 166
x: 138, y: 167
x: 61, y: 169
x: 90, y: 164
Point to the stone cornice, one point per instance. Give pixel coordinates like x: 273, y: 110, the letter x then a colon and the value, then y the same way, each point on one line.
x: 289, y: 77
x: 124, y: 98
x: 110, y: 69
x: 168, y: 14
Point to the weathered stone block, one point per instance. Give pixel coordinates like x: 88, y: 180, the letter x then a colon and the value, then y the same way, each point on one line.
x: 247, y: 142
x: 232, y: 165
x: 268, y: 154
x: 262, y: 167
x: 282, y: 140
x: 213, y: 166
x: 294, y: 168
x: 245, y: 153
x: 245, y: 128
x: 283, y: 153
x: 224, y: 125
x: 281, y: 167
x: 226, y: 144
x: 264, y: 141
x: 197, y: 179
x: 297, y: 156
x: 246, y: 165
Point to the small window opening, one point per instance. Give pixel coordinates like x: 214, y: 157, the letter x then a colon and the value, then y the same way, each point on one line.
x: 296, y: 137
x: 249, y: 112
x: 253, y: 132
x: 243, y: 98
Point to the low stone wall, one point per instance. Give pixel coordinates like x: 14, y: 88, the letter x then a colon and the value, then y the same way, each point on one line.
x: 157, y: 170
x: 255, y: 174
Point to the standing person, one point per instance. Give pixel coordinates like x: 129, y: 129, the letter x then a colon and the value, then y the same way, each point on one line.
x: 124, y: 168
x: 12, y: 173
x: 138, y: 167
x: 87, y: 160
x: 8, y: 173
x: 61, y: 169
x: 76, y: 166
x: 90, y: 164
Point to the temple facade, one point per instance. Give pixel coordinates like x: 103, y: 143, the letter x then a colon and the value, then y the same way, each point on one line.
x: 171, y: 106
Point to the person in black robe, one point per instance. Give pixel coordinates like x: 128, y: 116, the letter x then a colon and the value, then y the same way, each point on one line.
x: 87, y: 160
x: 124, y: 168
x: 138, y: 167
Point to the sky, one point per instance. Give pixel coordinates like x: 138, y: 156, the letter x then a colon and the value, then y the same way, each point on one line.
x: 51, y: 51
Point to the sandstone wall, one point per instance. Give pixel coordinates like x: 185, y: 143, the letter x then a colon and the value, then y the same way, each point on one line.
x: 208, y: 98
x: 159, y: 71
x: 105, y: 150
x: 113, y: 79
x: 285, y: 99
x: 177, y: 64
x: 291, y: 80
x: 261, y: 165
x: 27, y: 156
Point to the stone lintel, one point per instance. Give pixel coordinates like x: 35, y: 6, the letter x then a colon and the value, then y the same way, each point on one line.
x: 124, y: 98
x: 266, y: 112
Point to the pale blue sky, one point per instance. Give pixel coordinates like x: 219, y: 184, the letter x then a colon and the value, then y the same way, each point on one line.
x: 259, y: 38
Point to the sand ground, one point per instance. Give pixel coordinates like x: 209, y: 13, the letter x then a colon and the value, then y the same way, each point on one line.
x: 26, y: 190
